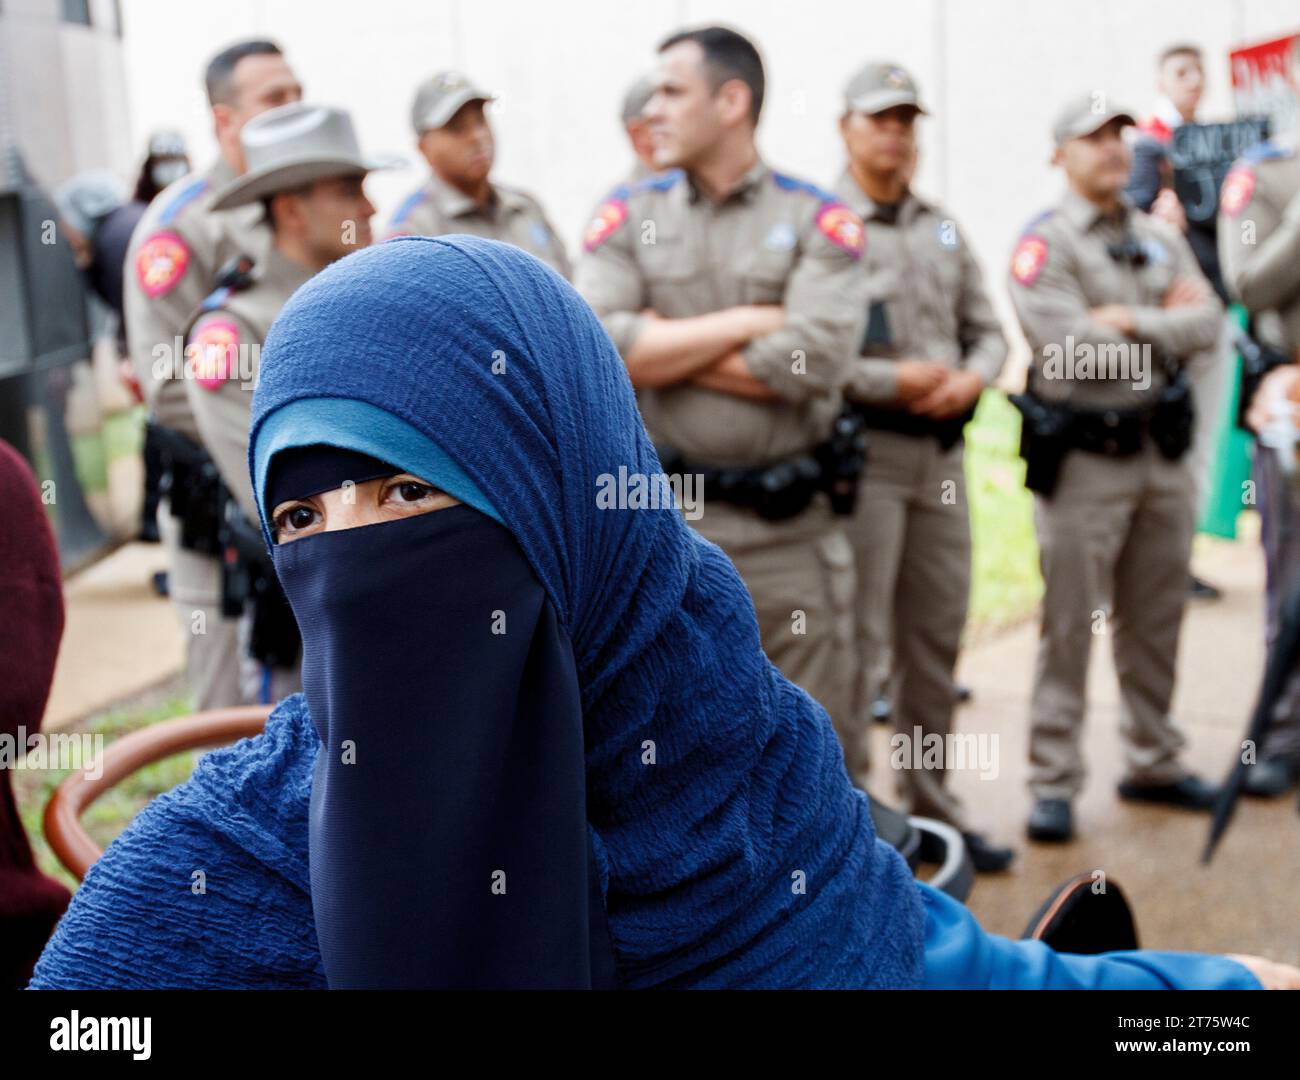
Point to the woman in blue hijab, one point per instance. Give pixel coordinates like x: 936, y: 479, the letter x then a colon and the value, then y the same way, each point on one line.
x: 539, y: 743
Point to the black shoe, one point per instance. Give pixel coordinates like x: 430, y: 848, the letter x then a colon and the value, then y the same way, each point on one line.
x: 986, y: 858
x: 1190, y: 793
x: 1271, y: 778
x: 1051, y: 821
x: 1202, y: 590
x: 963, y: 693
x: 881, y: 709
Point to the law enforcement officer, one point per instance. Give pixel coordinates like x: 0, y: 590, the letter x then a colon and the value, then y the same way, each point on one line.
x: 1259, y: 245
x: 175, y: 255
x: 637, y: 128
x: 306, y: 171
x: 1114, y: 308
x: 932, y: 343
x: 456, y: 140
x: 734, y: 293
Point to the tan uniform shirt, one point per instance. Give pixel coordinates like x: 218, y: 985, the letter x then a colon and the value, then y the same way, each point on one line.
x: 1063, y: 267
x: 774, y: 240
x: 1259, y: 234
x: 225, y: 343
x: 926, y: 293
x: 176, y: 251
x: 513, y: 217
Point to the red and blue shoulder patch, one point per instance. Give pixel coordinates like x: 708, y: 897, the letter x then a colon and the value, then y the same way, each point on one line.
x: 843, y: 228
x: 611, y: 213
x: 160, y: 262
x: 840, y: 225
x: 1237, y: 190
x: 1028, y: 259
x: 605, y: 222
x: 214, y: 348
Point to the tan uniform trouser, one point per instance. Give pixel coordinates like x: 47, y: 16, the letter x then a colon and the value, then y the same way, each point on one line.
x: 221, y: 673
x: 799, y: 574
x: 911, y: 537
x: 1117, y: 527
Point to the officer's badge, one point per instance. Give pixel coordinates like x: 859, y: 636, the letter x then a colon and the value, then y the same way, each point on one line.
x: 214, y: 347
x: 1156, y: 252
x: 160, y: 263
x: 780, y: 237
x: 1028, y: 259
x: 612, y: 214
x: 1238, y: 187
x: 896, y: 77
x: 541, y: 235
x: 843, y: 228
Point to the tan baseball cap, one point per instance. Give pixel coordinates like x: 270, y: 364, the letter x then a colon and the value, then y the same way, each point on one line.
x: 638, y: 94
x: 880, y: 86
x: 438, y: 99
x: 1084, y: 115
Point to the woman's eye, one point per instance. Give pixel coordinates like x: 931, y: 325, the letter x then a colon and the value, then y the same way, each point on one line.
x: 409, y: 491
x: 295, y: 519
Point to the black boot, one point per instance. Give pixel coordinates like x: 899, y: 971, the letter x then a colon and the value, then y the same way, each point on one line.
x: 1271, y: 778
x: 986, y: 858
x: 1051, y: 821
x: 1189, y: 793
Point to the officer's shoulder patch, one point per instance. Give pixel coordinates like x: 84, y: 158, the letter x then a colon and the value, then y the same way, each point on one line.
x: 185, y: 194
x: 1028, y: 258
x: 1237, y: 190
x: 214, y: 346
x: 842, y: 227
x: 605, y: 222
x: 160, y: 262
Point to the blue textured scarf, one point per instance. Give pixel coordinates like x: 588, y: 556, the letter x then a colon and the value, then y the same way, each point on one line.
x: 732, y: 849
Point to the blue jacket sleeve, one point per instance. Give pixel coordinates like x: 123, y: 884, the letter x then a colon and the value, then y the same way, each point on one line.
x: 208, y: 886
x: 959, y: 955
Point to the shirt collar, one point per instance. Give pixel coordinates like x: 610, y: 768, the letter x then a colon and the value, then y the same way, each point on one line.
x: 1083, y: 214
x: 450, y: 202
x: 865, y: 207
x: 744, y: 191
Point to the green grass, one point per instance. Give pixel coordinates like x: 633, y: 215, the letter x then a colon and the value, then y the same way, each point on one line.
x: 109, y: 814
x: 122, y: 434
x: 1005, y: 581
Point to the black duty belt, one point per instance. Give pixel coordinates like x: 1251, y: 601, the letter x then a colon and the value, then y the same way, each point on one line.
x: 786, y: 488
x: 947, y: 432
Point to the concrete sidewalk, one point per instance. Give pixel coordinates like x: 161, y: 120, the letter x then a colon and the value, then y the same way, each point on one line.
x: 1247, y: 900
x: 119, y: 637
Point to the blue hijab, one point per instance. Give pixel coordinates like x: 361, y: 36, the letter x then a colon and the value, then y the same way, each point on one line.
x: 729, y: 845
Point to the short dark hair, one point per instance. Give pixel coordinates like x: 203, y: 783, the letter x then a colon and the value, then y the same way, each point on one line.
x: 728, y: 55
x: 219, y: 76
x: 1181, y: 49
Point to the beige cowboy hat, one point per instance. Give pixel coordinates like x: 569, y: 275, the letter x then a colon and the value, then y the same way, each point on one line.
x: 293, y: 145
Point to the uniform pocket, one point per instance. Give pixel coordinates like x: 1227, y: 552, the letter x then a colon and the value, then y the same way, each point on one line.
x: 764, y: 277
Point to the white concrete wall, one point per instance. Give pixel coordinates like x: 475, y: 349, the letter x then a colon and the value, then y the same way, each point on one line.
x: 993, y: 73
x: 64, y: 90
